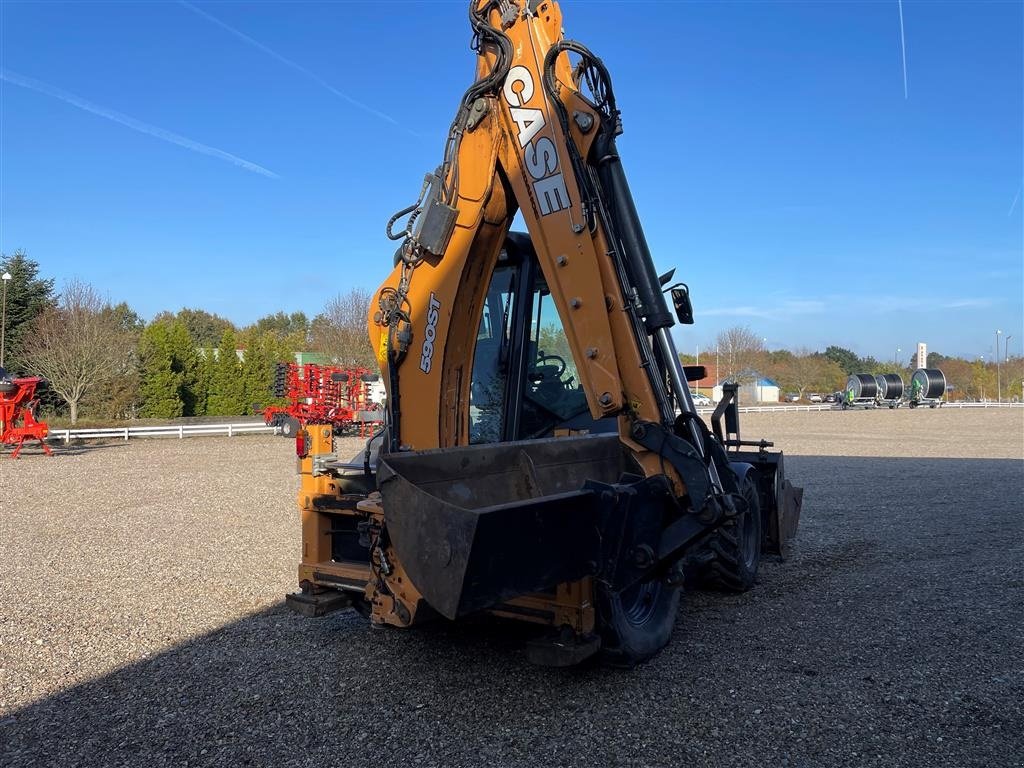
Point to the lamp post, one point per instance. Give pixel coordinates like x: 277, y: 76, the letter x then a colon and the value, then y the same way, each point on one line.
x: 718, y: 372
x: 696, y: 361
x: 1006, y: 360
x: 6, y: 277
x: 999, y: 386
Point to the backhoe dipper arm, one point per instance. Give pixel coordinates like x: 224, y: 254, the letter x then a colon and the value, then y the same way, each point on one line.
x: 525, y: 137
x: 491, y: 491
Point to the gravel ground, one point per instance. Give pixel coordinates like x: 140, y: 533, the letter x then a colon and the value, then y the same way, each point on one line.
x: 141, y: 623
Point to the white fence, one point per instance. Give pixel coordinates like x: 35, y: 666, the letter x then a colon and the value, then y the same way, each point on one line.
x: 774, y: 408
x: 834, y: 407
x: 230, y: 430
x: 174, y: 430
x: 982, y: 405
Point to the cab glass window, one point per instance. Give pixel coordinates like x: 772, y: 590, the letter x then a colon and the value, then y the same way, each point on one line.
x: 491, y: 359
x: 552, y: 393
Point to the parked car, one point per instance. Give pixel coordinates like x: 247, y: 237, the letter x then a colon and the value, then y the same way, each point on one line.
x: 702, y: 401
x: 814, y: 397
x: 831, y: 397
x: 792, y: 397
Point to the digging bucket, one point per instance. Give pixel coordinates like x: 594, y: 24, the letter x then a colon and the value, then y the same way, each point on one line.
x: 477, y: 525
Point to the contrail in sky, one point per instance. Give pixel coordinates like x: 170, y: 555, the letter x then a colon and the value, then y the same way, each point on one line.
x: 294, y: 65
x: 903, y: 47
x: 1013, y: 205
x: 35, y: 85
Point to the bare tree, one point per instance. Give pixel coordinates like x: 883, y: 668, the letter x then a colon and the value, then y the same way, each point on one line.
x: 77, y: 345
x: 341, y: 329
x: 740, y: 353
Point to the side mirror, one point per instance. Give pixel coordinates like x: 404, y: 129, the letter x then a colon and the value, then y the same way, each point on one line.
x: 695, y: 372
x: 681, y: 301
x: 665, y: 279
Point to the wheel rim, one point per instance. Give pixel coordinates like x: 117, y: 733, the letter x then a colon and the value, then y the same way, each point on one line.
x: 639, y: 602
x: 750, y: 544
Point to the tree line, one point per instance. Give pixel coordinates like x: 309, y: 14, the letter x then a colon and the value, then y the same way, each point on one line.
x: 103, y: 361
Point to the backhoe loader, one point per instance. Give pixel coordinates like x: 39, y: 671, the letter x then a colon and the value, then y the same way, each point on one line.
x: 542, y: 459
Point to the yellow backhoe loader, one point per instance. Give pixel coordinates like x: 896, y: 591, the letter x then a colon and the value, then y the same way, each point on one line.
x: 541, y: 459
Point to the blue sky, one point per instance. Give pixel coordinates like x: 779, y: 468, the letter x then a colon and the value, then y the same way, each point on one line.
x: 244, y: 157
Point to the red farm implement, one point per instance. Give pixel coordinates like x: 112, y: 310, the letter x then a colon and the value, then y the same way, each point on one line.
x: 324, y: 394
x: 18, y: 405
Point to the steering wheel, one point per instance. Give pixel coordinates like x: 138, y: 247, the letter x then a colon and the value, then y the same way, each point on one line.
x: 559, y: 361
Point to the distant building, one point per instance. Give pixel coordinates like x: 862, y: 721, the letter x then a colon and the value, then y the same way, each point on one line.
x: 759, y: 390
x: 705, y: 385
x: 762, y: 390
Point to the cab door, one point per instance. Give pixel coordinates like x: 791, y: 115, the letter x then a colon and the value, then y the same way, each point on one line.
x: 524, y: 382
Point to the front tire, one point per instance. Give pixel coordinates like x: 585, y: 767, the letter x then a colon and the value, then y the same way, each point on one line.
x: 637, y: 623
x: 737, y: 545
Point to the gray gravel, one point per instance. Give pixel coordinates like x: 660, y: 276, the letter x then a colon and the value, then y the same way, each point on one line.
x: 141, y: 623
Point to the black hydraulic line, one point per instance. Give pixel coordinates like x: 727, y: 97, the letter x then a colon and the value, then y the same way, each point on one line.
x: 618, y: 198
x: 484, y: 33
x: 394, y: 411
x: 594, y: 194
x: 499, y: 43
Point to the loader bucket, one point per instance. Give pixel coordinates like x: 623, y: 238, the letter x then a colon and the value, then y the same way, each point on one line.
x: 780, y: 499
x: 474, y: 526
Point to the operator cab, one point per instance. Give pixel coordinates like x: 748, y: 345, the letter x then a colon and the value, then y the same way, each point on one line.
x: 520, y: 332
x: 525, y: 383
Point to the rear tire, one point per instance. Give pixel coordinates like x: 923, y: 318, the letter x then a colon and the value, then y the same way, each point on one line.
x: 737, y: 545
x: 636, y: 623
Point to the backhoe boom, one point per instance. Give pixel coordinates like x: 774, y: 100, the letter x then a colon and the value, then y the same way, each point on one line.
x: 593, y: 534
